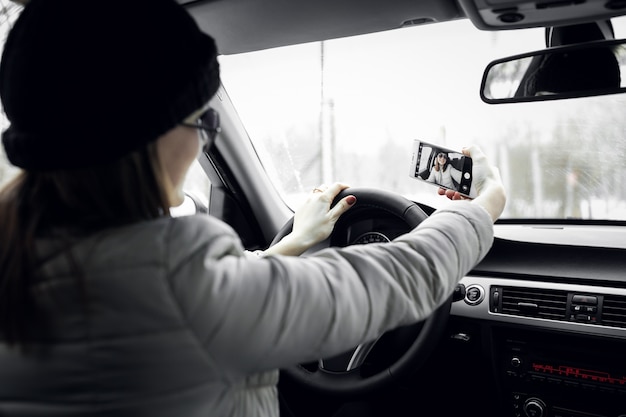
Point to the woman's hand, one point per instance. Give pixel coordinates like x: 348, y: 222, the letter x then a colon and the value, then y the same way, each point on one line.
x: 314, y: 220
x: 491, y: 194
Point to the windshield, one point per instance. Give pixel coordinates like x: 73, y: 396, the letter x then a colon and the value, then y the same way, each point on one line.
x: 349, y: 110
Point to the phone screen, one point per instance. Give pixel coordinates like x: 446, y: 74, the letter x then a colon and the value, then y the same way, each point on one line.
x: 442, y: 167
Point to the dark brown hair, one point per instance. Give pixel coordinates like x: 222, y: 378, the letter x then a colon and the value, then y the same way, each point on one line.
x: 68, y: 204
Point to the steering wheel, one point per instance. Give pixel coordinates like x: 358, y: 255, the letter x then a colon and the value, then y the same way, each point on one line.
x: 375, y: 365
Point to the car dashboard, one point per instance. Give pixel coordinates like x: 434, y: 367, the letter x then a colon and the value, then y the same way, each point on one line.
x: 536, y: 329
x: 551, y: 320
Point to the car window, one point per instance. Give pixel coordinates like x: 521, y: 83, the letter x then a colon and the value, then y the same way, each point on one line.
x: 197, y: 188
x: 8, y: 14
x: 349, y: 110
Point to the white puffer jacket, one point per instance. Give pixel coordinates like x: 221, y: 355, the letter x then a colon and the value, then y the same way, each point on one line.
x: 176, y: 321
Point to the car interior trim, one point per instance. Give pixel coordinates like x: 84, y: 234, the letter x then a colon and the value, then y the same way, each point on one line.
x: 482, y: 310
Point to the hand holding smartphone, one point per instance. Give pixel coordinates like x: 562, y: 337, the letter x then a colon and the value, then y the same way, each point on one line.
x: 442, y: 167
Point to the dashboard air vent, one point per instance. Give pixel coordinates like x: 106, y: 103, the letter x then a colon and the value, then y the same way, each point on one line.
x: 614, y: 311
x: 534, y: 302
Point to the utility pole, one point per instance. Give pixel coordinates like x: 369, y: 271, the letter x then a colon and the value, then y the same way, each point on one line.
x: 326, y: 129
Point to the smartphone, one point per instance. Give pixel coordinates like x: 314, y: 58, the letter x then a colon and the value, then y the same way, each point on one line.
x: 443, y: 167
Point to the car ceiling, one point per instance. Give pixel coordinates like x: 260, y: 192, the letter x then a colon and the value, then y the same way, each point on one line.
x: 251, y: 25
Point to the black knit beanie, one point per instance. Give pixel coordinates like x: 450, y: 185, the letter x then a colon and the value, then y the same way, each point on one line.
x: 85, y: 82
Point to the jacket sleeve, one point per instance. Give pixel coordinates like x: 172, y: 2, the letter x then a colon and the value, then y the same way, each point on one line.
x: 252, y: 315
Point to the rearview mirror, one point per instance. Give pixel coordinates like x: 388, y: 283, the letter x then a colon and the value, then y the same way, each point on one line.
x: 582, y: 70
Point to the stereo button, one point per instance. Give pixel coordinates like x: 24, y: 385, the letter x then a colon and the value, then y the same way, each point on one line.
x: 585, y: 299
x: 554, y: 381
x: 534, y: 407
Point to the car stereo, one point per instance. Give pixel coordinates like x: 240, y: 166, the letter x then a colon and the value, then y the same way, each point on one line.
x: 548, y: 375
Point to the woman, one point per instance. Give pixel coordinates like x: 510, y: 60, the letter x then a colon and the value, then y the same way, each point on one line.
x: 111, y: 307
x: 443, y: 173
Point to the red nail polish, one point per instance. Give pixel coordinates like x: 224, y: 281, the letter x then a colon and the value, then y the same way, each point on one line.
x: 351, y: 200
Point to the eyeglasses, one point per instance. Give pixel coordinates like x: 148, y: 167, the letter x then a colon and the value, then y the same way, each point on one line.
x: 442, y: 155
x: 209, y: 125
